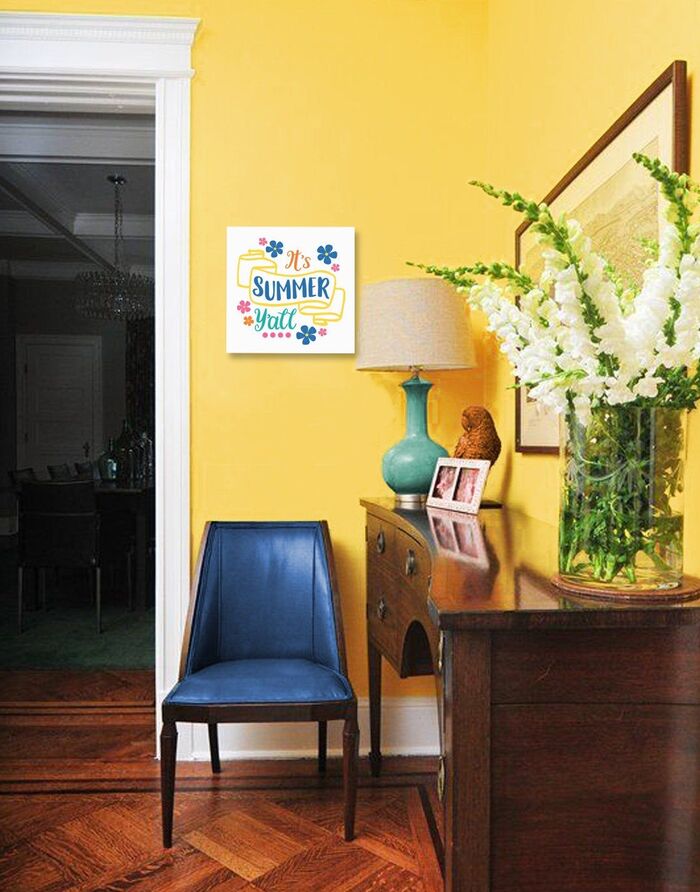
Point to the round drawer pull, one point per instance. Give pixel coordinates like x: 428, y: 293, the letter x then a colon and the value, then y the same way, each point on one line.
x: 410, y: 562
x: 381, y: 542
x: 381, y: 609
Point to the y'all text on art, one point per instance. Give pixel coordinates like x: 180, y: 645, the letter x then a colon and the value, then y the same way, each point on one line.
x: 278, y: 321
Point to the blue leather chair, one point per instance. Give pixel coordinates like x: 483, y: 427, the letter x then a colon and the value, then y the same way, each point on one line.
x: 264, y: 643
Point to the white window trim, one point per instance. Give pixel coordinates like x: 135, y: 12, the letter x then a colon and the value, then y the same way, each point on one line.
x: 94, y: 63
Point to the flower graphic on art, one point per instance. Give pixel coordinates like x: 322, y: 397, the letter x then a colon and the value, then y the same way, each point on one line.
x: 306, y: 334
x: 323, y: 332
x: 248, y: 320
x: 243, y: 306
x: 335, y: 267
x: 274, y: 249
x: 262, y: 242
x: 326, y: 254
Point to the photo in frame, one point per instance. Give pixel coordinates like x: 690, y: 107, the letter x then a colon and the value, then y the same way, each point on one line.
x: 458, y: 484
x: 604, y: 191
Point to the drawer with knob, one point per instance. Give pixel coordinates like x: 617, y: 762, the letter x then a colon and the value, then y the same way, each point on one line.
x: 382, y: 615
x: 411, y: 561
x: 380, y: 541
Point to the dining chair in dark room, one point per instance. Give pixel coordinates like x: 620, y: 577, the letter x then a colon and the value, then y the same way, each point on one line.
x: 84, y: 470
x: 264, y: 643
x: 20, y: 475
x: 59, y: 472
x: 58, y: 528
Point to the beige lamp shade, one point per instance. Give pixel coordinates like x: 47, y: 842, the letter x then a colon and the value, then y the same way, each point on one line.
x: 414, y: 323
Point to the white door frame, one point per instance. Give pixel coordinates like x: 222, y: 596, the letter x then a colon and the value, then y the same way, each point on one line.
x: 92, y: 63
x: 21, y: 342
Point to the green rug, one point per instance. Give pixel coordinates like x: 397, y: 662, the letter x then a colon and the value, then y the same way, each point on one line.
x: 65, y: 636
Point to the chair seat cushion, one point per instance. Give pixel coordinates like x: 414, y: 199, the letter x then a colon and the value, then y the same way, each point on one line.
x: 261, y: 681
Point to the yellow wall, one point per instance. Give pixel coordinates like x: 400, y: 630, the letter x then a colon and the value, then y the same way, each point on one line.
x: 375, y: 113
x: 343, y: 112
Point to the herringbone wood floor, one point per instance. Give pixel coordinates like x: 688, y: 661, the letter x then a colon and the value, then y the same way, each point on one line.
x: 79, y: 811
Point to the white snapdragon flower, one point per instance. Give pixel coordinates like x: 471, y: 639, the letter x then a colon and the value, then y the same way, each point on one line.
x: 577, y: 340
x: 617, y: 391
x: 582, y: 408
x: 647, y: 386
x: 650, y: 310
x: 669, y: 245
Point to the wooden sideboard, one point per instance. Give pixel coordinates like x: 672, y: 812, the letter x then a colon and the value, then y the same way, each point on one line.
x: 569, y: 729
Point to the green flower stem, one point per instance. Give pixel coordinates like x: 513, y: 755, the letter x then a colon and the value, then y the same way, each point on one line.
x: 621, y: 474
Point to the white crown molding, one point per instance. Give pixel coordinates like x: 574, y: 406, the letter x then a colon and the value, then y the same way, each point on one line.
x: 135, y: 226
x: 90, y: 226
x: 102, y: 28
x: 23, y: 223
x: 49, y: 93
x: 45, y: 191
x: 77, y: 141
x: 96, y: 45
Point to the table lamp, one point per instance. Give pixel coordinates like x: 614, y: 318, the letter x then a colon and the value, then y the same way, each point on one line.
x: 413, y: 324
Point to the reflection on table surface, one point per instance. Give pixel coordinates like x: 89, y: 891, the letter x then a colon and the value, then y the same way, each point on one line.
x: 501, y: 561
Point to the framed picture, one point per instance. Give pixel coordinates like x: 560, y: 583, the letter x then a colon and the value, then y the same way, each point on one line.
x: 460, y: 536
x: 618, y: 205
x: 290, y: 289
x: 458, y: 484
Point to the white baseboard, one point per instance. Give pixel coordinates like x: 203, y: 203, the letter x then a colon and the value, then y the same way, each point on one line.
x: 409, y: 728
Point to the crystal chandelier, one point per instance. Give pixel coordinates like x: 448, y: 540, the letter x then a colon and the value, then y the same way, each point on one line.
x: 114, y: 293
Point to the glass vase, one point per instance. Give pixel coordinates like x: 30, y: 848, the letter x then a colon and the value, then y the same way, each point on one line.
x: 621, y: 501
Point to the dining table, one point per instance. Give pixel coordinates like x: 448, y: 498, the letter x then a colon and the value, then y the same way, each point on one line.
x: 138, y: 499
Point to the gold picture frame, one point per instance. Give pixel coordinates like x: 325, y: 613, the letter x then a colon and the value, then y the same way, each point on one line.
x: 604, y: 191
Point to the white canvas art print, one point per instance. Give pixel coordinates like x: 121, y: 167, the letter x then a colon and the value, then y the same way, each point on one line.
x: 290, y: 289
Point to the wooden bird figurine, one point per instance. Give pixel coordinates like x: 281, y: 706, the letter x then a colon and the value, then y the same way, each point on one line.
x: 480, y: 439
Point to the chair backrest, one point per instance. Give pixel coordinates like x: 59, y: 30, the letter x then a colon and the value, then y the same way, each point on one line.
x: 21, y: 474
x: 59, y: 472
x: 58, y: 524
x: 85, y: 470
x: 264, y: 590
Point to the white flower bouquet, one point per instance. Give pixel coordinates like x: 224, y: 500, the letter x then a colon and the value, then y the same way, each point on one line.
x: 619, y: 363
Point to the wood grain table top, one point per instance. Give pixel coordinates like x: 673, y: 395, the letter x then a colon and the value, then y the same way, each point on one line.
x: 493, y: 570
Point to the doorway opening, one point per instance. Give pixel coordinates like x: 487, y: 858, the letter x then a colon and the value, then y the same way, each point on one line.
x: 131, y: 65
x: 77, y: 443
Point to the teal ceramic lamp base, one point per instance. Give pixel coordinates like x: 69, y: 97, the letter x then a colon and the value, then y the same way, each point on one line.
x: 408, y: 466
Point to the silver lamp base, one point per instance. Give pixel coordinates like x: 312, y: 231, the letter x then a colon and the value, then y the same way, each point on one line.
x: 411, y: 501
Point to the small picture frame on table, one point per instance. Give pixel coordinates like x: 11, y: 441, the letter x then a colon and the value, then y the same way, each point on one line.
x: 458, y: 484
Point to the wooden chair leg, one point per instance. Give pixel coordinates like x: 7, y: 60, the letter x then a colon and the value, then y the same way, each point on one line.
x: 168, y: 755
x: 351, y: 745
x: 20, y: 596
x: 98, y: 598
x: 322, y: 746
x: 214, y: 748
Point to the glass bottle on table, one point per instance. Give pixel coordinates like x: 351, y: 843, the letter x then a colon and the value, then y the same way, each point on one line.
x: 107, y: 462
x: 125, y: 456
